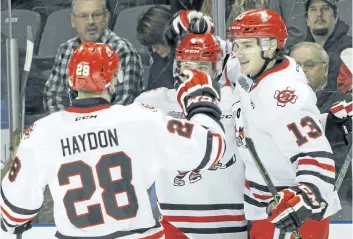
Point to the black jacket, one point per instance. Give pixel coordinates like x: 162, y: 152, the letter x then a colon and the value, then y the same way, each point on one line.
x: 161, y: 73
x: 335, y: 44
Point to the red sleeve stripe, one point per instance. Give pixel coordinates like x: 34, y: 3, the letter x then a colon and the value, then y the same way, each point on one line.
x: 196, y: 219
x: 337, y: 108
x: 14, y: 219
x: 220, y: 147
x: 314, y: 162
x: 157, y: 235
x: 349, y: 107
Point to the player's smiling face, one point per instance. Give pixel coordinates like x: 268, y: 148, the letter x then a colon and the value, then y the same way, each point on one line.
x: 89, y: 18
x: 248, y: 52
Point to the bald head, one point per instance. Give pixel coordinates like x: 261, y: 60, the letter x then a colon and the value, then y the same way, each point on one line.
x: 314, y: 61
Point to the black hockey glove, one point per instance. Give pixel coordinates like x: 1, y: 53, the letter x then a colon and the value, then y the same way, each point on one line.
x: 196, y: 93
x: 340, y: 115
x: 186, y: 21
x: 296, y: 204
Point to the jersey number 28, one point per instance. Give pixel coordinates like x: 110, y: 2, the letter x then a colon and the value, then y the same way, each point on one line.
x: 111, y: 189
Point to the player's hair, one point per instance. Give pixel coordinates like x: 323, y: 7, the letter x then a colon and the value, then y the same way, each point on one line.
x: 324, y: 56
x: 104, y: 3
x: 151, y: 24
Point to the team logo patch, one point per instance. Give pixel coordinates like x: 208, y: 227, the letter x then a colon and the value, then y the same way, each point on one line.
x: 285, y: 96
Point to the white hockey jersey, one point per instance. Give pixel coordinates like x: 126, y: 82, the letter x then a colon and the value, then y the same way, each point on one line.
x: 99, y: 162
x: 280, y: 116
x: 207, y: 204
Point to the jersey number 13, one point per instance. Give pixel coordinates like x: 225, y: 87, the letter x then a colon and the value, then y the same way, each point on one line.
x: 111, y: 188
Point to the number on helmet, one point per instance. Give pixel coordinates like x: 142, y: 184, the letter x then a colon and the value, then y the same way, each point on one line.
x: 82, y: 70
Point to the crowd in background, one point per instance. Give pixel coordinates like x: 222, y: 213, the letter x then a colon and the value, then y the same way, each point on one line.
x: 319, y: 52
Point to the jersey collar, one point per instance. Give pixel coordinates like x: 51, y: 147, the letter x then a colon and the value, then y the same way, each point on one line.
x: 88, y: 105
x: 276, y: 68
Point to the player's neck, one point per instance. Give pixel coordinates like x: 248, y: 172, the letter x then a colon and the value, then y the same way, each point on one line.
x: 86, y: 95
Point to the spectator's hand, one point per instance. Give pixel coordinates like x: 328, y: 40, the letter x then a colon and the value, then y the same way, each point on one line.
x: 187, y: 21
x: 295, y: 205
x: 197, y: 94
x: 341, y: 114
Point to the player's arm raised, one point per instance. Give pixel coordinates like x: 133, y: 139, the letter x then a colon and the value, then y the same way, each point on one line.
x: 299, y: 135
x: 198, y: 142
x: 22, y: 187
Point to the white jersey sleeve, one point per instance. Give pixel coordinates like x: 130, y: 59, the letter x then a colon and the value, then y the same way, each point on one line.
x: 187, y: 145
x: 25, y: 179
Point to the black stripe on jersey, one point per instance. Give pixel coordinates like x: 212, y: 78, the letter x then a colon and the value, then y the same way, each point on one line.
x: 316, y: 154
x: 219, y: 230
x: 7, y: 224
x: 201, y: 207
x: 263, y: 187
x: 254, y: 202
x: 113, y: 235
x: 15, y: 209
x: 208, y: 152
x: 318, y: 175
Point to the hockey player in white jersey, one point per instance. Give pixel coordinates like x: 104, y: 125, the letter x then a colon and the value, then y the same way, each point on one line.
x: 99, y: 160
x: 207, y: 204
x: 280, y: 115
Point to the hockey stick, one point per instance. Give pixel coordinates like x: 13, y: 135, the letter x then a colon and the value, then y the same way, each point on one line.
x: 26, y: 69
x: 24, y: 79
x: 343, y: 170
x: 266, y: 176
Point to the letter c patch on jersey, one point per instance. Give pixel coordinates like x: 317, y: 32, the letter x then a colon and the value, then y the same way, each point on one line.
x: 285, y: 96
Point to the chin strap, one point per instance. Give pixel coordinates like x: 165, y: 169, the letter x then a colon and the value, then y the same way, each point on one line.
x: 263, y: 68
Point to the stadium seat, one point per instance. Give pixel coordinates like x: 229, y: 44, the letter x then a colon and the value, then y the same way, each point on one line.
x: 20, y: 20
x: 57, y: 30
x: 130, y: 16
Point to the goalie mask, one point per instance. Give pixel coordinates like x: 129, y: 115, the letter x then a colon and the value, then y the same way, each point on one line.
x: 201, y: 52
x: 94, y: 68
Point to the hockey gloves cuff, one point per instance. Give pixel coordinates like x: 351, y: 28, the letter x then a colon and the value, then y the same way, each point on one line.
x: 341, y: 115
x: 294, y: 206
x: 197, y: 94
x: 187, y: 21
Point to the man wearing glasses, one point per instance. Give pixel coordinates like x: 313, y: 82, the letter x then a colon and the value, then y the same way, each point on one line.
x: 90, y: 19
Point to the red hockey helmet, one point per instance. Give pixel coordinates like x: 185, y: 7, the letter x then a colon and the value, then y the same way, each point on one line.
x: 199, y: 50
x: 259, y: 23
x: 93, y: 67
x: 199, y: 47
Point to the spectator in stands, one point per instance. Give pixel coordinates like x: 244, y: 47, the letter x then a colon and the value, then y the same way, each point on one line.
x: 292, y: 12
x: 327, y: 30
x: 90, y: 18
x: 150, y: 29
x: 315, y: 63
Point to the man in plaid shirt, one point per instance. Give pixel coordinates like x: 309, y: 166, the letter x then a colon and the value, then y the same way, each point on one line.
x: 90, y: 18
